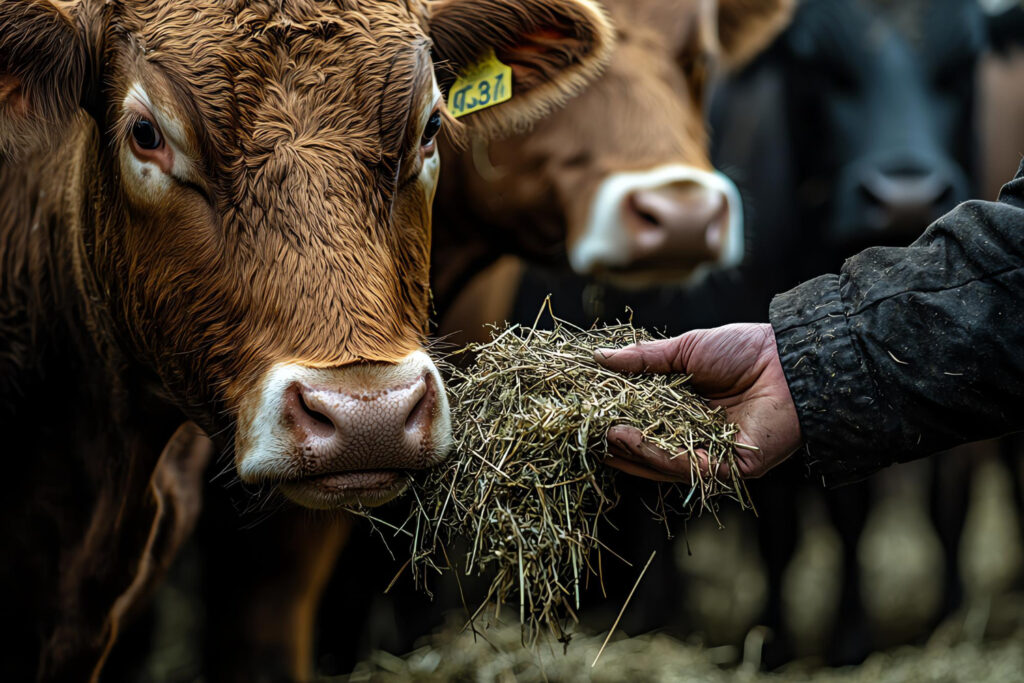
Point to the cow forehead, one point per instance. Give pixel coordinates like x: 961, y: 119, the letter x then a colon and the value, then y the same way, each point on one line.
x: 261, y: 15
x: 228, y: 26
x: 255, y: 70
x: 288, y: 85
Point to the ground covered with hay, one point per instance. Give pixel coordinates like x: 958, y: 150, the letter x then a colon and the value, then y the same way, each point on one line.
x: 981, y: 643
x: 496, y: 655
x: 526, y: 488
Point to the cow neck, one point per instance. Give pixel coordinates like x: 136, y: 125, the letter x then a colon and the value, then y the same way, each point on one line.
x: 86, y: 440
x: 53, y: 324
x: 38, y: 311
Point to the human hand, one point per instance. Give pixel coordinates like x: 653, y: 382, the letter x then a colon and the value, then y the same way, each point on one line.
x: 735, y: 366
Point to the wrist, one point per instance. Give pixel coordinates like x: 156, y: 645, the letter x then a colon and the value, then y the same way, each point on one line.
x: 838, y: 410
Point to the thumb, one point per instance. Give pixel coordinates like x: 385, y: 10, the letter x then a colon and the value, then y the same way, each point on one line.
x: 661, y: 356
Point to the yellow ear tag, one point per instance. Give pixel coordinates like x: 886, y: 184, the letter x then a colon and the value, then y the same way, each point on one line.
x: 482, y: 85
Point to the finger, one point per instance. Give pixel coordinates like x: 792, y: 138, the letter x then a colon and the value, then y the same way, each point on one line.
x: 721, y: 471
x: 620, y: 451
x: 626, y: 440
x: 752, y: 463
x: 630, y: 442
x: 636, y: 470
x: 661, y: 356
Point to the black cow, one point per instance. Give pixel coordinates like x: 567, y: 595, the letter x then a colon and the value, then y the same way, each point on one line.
x: 881, y: 95
x: 879, y: 101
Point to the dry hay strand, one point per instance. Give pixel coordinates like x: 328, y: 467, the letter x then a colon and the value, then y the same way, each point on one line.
x: 525, y: 486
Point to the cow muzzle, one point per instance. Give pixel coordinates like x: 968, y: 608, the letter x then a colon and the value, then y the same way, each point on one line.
x: 670, y: 223
x: 330, y: 437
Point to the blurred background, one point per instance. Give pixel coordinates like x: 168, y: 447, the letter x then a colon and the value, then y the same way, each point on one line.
x: 858, y: 125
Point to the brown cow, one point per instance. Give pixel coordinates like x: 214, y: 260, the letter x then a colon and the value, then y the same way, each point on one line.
x: 617, y: 184
x: 219, y: 211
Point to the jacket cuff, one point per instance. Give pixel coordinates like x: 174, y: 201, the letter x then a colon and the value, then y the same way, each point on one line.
x: 837, y: 402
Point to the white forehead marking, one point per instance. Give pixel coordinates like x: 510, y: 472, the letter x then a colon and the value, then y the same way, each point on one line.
x: 137, y: 92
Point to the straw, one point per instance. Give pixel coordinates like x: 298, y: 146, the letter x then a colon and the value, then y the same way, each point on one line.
x: 525, y: 486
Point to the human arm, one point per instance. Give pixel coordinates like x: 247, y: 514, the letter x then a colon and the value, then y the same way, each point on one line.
x: 907, y: 351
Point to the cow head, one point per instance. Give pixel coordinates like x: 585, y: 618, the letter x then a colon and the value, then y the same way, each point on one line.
x: 881, y: 98
x: 619, y: 181
x: 254, y: 183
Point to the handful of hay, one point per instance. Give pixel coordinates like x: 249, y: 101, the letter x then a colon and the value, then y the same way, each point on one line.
x: 525, y: 485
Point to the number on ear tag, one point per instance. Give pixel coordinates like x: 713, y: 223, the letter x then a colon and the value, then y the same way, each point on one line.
x: 482, y: 85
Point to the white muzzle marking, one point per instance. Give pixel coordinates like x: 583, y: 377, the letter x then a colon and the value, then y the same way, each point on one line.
x: 605, y: 240
x: 270, y: 455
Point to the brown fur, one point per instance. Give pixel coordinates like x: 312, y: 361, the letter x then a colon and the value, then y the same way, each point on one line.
x: 30, y: 99
x: 301, y: 234
x: 529, y: 195
x: 302, y: 163
x: 542, y: 40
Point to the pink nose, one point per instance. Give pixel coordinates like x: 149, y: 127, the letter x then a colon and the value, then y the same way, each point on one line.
x: 678, y: 225
x: 338, y: 428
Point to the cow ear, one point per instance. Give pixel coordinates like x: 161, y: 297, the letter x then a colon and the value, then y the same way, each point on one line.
x: 42, y: 70
x: 553, y: 48
x: 745, y: 27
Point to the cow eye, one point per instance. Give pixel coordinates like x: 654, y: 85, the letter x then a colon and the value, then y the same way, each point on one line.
x: 146, y: 135
x: 432, y: 128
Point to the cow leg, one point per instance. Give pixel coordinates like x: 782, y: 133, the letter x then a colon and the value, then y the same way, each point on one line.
x: 1011, y: 453
x: 949, y: 499
x: 777, y: 527
x: 135, y: 527
x: 263, y: 586
x: 851, y: 641
x: 177, y: 487
x: 657, y: 601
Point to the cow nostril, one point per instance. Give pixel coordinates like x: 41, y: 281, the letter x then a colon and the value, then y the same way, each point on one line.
x: 715, y: 235
x: 307, y: 418
x: 647, y: 217
x: 422, y: 411
x: 905, y: 190
x: 677, y: 223
x: 315, y: 415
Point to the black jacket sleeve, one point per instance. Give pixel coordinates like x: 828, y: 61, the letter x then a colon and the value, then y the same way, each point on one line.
x: 913, y: 350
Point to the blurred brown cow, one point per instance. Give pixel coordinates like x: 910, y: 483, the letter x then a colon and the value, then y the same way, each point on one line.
x: 219, y: 211
x: 617, y: 184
